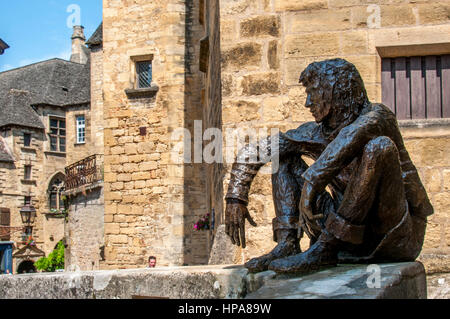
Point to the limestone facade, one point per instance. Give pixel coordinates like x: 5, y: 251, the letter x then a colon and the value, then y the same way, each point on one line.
x: 151, y: 200
x: 41, y: 101
x: 48, y: 227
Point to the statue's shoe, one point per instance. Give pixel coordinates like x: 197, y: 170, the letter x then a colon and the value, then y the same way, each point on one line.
x: 282, y: 250
x: 319, y: 255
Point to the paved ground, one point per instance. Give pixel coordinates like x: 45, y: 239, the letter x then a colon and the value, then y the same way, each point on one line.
x: 438, y: 286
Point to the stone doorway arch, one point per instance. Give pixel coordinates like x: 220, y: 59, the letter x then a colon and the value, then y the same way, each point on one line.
x: 26, y: 266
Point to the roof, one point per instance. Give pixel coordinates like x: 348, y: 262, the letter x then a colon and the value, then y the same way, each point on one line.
x: 54, y: 82
x: 15, y: 109
x: 5, y: 152
x: 96, y: 38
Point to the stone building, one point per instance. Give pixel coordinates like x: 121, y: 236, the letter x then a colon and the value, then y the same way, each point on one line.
x: 37, y: 104
x: 156, y: 81
x: 151, y: 202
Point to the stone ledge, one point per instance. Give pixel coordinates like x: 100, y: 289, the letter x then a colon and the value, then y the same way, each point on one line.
x: 398, y: 281
x: 142, y: 92
x: 402, y: 280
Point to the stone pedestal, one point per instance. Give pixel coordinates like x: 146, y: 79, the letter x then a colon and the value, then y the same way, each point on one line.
x: 382, y: 281
x: 403, y: 280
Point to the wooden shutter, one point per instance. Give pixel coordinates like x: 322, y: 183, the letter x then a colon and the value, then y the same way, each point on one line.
x: 445, y: 76
x: 417, y: 87
x: 5, y: 220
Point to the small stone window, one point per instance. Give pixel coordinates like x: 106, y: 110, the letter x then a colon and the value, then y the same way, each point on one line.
x: 57, y: 135
x: 27, y: 172
x: 142, y: 85
x: 26, y: 139
x: 81, y: 129
x: 27, y: 200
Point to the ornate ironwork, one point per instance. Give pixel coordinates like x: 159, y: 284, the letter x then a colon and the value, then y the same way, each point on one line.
x: 84, y: 172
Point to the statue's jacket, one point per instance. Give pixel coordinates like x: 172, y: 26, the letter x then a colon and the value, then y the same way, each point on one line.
x: 334, y: 155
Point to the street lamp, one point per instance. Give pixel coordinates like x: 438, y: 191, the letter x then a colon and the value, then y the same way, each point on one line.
x: 28, y: 214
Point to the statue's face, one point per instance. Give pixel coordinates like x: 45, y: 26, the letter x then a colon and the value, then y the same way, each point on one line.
x: 317, y: 105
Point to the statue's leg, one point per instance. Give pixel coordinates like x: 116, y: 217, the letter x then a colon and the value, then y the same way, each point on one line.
x: 286, y: 189
x: 376, y: 189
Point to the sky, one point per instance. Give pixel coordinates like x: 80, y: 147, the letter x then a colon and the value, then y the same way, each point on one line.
x: 38, y: 30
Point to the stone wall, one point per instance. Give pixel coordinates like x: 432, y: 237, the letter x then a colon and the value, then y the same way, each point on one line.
x: 78, y: 151
x: 212, y: 116
x: 97, y: 122
x: 151, y: 201
x: 266, y: 44
x: 85, y: 228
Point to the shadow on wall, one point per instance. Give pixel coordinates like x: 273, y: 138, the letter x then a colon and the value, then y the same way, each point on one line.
x: 202, y: 99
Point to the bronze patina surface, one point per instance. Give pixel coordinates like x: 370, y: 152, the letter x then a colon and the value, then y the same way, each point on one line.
x: 361, y: 201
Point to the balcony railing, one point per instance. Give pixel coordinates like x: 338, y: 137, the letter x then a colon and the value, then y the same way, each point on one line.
x: 84, y: 172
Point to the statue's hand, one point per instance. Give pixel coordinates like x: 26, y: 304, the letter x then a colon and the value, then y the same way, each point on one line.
x: 235, y: 216
x: 308, y: 202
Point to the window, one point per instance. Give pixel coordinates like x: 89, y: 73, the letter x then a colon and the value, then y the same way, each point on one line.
x: 56, y: 188
x: 57, y: 135
x: 144, y: 74
x: 81, y: 129
x: 27, y: 200
x: 26, y: 139
x: 27, y: 172
x: 417, y: 87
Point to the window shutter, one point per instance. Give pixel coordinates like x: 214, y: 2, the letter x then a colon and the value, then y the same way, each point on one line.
x: 417, y: 87
x: 5, y: 220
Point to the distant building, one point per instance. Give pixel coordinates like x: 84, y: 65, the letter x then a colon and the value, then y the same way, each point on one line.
x: 3, y: 46
x: 40, y: 104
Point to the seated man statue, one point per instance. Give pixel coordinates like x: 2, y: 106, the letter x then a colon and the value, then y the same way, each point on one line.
x: 361, y: 201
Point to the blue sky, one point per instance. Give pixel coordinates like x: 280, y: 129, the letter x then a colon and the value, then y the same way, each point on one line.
x: 39, y: 30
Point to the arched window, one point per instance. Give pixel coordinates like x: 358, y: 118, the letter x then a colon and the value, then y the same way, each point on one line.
x: 55, y: 190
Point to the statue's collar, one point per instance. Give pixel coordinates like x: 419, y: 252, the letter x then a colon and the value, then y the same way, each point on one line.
x: 330, y: 133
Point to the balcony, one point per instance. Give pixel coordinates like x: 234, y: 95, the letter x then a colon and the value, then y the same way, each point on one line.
x: 84, y: 173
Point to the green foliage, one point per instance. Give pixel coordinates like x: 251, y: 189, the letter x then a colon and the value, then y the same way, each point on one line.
x: 54, y: 261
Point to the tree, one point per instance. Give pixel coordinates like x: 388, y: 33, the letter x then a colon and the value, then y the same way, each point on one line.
x: 54, y: 261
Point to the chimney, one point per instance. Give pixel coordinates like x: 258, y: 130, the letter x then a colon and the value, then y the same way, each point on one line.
x: 79, y: 49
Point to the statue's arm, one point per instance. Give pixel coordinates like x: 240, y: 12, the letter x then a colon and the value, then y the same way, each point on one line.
x: 343, y: 149
x: 249, y: 161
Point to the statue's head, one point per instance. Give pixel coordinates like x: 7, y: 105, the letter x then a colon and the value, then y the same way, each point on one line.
x: 334, y: 89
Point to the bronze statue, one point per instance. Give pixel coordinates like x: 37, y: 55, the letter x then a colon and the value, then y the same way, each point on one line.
x: 375, y: 209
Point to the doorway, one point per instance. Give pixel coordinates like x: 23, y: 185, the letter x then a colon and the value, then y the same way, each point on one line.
x: 26, y: 267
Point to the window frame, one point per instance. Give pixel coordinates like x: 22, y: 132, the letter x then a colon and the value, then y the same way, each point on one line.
x: 27, y: 139
x: 79, y: 126
x: 58, y: 135
x: 416, y: 87
x: 27, y: 172
x: 135, y: 60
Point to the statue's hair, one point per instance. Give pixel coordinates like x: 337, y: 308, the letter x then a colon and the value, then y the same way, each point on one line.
x: 344, y: 81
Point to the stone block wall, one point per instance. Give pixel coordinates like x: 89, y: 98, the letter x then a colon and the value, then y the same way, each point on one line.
x: 85, y: 229
x: 151, y: 201
x: 78, y: 151
x: 266, y: 44
x: 97, y: 123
